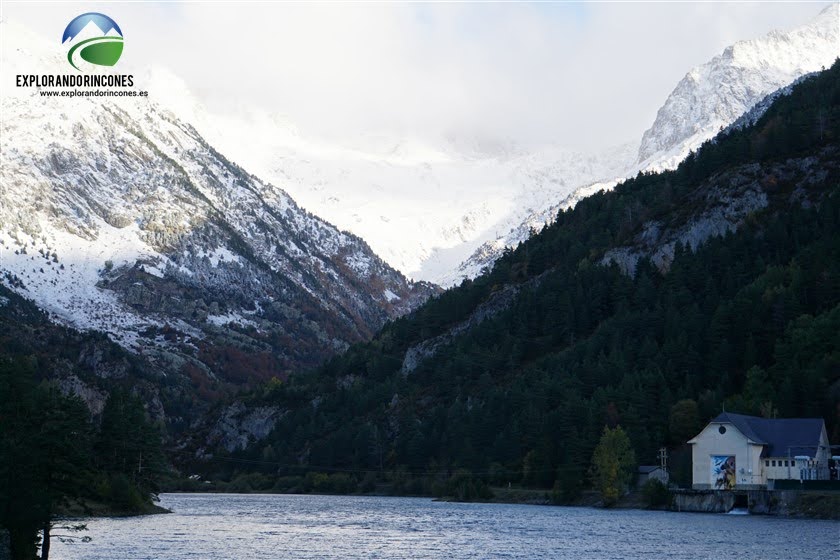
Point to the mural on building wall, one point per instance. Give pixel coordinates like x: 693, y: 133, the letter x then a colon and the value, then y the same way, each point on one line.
x: 723, y: 472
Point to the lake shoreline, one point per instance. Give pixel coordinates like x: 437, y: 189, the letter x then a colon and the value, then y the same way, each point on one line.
x: 809, y: 505
x: 81, y: 509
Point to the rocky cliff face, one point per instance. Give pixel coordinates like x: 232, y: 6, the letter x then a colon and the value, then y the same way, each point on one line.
x: 238, y: 426
x: 721, y: 205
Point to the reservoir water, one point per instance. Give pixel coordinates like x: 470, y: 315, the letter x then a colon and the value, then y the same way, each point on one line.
x: 251, y: 527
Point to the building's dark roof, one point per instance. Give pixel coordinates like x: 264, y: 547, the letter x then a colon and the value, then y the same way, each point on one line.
x: 647, y: 469
x: 781, y: 436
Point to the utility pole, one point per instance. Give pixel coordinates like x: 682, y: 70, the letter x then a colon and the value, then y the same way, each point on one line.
x: 663, y: 458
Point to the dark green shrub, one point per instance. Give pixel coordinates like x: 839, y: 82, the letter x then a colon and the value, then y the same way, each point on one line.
x: 656, y: 494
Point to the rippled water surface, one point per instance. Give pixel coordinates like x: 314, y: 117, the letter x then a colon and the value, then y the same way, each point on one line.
x: 245, y: 527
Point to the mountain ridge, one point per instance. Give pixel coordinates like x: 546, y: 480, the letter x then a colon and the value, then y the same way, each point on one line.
x: 117, y: 216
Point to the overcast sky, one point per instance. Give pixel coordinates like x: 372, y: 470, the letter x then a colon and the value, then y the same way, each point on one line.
x: 576, y: 74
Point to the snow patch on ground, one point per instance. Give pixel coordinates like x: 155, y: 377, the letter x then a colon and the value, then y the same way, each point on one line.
x: 62, y: 272
x: 232, y: 317
x: 219, y: 255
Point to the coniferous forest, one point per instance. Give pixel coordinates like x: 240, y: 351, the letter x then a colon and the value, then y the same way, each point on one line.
x: 749, y: 321
x: 55, y: 461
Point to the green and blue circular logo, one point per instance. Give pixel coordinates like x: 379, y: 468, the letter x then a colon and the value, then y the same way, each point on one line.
x: 91, y: 40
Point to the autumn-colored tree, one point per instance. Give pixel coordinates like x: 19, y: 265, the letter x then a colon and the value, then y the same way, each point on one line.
x: 613, y: 463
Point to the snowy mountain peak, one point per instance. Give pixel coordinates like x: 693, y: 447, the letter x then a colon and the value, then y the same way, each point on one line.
x: 714, y: 94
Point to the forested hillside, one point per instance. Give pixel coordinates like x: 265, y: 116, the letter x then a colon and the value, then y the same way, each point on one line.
x: 650, y: 307
x: 81, y: 427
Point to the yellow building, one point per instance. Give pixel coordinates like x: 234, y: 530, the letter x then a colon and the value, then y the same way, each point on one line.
x: 739, y: 451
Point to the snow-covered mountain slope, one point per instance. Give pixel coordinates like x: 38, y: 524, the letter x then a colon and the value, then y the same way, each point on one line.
x: 544, y: 185
x: 708, y: 99
x: 118, y: 216
x: 423, y: 206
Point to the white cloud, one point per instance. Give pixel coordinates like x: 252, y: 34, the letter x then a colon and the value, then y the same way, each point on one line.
x: 580, y: 75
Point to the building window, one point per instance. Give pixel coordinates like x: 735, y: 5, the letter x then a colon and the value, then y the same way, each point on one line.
x: 722, y: 429
x: 774, y: 462
x: 767, y: 463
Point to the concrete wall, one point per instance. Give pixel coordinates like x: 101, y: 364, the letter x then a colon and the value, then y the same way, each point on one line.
x: 708, y: 501
x: 719, y: 501
x: 820, y: 505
